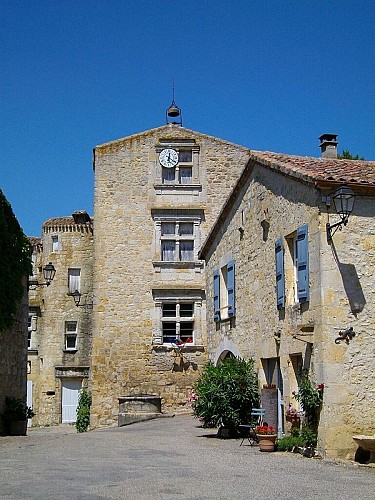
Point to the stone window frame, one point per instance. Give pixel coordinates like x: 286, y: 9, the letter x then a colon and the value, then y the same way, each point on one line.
x: 74, y: 280
x: 177, y: 216
x: 177, y: 320
x: 177, y: 296
x: 70, y: 334
x: 55, y: 243
x: 31, y: 329
x: 193, y: 188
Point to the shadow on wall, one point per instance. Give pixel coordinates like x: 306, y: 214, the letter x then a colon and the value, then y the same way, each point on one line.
x: 351, y: 284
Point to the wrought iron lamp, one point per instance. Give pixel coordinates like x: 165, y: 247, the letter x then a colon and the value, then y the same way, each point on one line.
x: 77, y: 299
x: 49, y: 272
x: 343, y: 199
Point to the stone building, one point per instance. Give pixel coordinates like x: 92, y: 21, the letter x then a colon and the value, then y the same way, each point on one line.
x: 157, y: 194
x: 280, y: 291
x: 59, y: 332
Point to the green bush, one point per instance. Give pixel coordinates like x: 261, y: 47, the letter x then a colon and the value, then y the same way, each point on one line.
x: 83, y: 410
x: 311, y: 399
x: 226, y: 394
x: 287, y: 443
x: 304, y: 438
x: 309, y: 437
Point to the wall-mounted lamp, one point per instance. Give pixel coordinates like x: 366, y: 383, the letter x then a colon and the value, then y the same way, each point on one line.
x: 77, y: 299
x: 343, y: 199
x: 49, y: 272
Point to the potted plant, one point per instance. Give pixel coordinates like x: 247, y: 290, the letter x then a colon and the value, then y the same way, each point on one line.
x: 266, y: 435
x: 15, y: 415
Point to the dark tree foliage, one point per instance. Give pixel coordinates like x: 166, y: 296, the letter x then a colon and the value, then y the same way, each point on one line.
x: 15, y: 263
x: 346, y: 155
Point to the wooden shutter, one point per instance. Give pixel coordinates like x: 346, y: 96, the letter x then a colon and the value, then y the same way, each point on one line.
x: 231, y: 289
x: 216, y: 295
x: 280, y: 275
x: 303, y: 263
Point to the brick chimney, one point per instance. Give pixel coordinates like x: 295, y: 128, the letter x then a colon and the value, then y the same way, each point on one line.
x: 328, y: 145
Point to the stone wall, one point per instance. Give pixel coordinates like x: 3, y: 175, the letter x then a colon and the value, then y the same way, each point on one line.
x: 341, y: 277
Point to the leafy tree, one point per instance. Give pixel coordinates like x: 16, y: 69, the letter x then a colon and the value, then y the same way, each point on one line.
x: 346, y: 155
x: 226, y: 394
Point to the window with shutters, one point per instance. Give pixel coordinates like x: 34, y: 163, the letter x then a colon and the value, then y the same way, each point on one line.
x: 224, y: 292
x: 31, y: 329
x: 280, y: 274
x: 296, y: 275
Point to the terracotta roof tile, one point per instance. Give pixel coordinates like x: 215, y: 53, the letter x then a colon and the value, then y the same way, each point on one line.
x: 320, y: 169
x: 34, y: 241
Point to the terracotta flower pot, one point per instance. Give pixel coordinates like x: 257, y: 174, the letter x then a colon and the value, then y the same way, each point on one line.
x: 267, y: 442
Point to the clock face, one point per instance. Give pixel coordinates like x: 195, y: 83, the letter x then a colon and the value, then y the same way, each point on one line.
x: 168, y: 158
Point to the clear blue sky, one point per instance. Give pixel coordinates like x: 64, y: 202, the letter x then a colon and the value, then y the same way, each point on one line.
x: 269, y: 75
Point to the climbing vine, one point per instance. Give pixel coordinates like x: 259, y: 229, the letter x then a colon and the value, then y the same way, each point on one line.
x: 83, y: 410
x: 311, y: 399
x: 15, y: 254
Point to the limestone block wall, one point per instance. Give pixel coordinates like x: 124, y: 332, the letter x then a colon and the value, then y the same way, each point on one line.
x: 272, y: 201
x: 348, y: 299
x: 341, y: 295
x: 127, y: 355
x: 49, y: 357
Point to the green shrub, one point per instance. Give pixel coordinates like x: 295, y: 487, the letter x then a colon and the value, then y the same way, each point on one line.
x: 83, y: 411
x: 304, y: 438
x: 311, y: 399
x: 226, y: 394
x: 309, y: 437
x: 287, y: 443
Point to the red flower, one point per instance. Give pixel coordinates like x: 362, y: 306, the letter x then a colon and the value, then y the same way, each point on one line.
x: 320, y: 387
x: 265, y: 429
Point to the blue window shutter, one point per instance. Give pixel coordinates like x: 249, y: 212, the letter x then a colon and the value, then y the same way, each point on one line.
x: 217, y: 295
x: 231, y: 289
x: 280, y: 274
x: 303, y: 263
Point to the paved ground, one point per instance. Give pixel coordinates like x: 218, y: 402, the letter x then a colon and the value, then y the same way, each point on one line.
x: 164, y: 459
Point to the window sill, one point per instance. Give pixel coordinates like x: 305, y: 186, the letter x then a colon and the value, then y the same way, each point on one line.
x: 170, y: 347
x: 192, y: 189
x: 70, y: 350
x: 32, y: 350
x: 197, y: 265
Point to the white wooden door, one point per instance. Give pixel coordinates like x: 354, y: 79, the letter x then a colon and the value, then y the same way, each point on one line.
x: 70, y: 393
x: 29, y: 399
